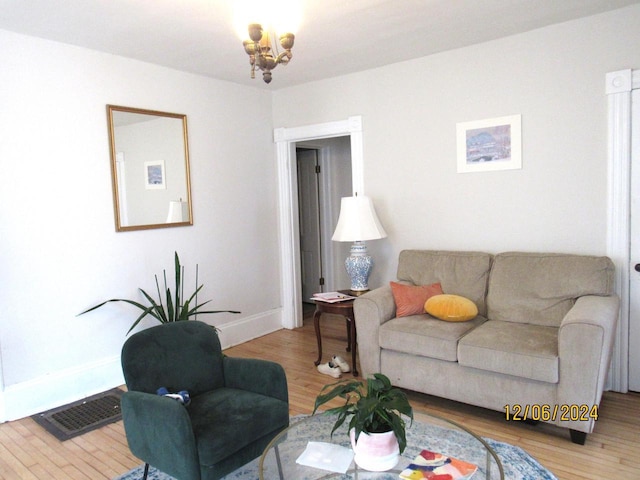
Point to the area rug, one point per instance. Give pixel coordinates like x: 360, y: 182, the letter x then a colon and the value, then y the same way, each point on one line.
x: 517, y: 464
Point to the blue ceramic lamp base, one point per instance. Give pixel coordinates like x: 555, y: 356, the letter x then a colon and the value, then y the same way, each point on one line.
x: 358, y: 266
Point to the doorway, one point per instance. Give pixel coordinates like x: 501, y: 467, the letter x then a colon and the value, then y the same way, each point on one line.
x: 309, y: 220
x: 634, y: 271
x: 286, y: 140
x: 324, y: 177
x: 625, y: 361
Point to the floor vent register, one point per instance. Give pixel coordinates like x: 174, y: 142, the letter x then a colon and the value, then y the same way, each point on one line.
x: 82, y: 416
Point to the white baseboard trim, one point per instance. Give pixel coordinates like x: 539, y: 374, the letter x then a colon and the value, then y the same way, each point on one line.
x: 60, y: 388
x: 67, y: 386
x: 248, y: 328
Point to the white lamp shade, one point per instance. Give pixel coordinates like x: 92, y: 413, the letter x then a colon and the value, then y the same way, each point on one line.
x: 178, y: 212
x: 358, y: 221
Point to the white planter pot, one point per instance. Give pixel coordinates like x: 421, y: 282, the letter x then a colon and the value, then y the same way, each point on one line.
x: 375, y: 452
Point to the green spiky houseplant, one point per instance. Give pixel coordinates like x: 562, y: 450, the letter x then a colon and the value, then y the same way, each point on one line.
x: 376, y: 407
x: 175, y: 308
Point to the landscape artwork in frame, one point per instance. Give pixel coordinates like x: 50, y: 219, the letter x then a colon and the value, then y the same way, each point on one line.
x: 154, y: 175
x: 489, y: 145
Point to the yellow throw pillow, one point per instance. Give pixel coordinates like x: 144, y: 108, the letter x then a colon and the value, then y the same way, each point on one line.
x: 452, y: 308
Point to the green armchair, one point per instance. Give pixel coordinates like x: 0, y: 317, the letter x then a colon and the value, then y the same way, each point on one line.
x: 237, y: 405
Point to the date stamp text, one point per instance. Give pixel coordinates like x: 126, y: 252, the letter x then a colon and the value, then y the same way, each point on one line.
x: 551, y: 413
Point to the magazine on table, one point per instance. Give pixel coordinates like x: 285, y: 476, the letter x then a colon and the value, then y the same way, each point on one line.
x: 332, y: 297
x: 430, y: 464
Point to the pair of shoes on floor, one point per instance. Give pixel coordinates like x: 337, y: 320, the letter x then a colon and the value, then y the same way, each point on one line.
x: 341, y: 364
x: 335, y: 368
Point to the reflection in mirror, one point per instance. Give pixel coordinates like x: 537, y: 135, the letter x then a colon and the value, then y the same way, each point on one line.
x: 150, y: 168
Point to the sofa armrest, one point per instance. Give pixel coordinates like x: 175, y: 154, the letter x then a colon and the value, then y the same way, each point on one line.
x: 255, y: 375
x: 372, y: 310
x: 159, y: 432
x: 585, y: 343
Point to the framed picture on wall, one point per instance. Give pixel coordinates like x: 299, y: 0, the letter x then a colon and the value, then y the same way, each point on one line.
x: 489, y: 145
x: 154, y: 176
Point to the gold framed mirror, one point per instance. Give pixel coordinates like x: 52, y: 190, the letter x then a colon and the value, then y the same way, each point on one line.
x: 149, y: 168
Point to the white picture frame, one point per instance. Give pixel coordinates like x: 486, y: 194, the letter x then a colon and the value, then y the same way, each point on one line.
x: 489, y: 145
x: 154, y: 175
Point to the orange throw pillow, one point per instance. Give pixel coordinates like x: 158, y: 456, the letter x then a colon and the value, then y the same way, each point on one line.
x: 410, y: 299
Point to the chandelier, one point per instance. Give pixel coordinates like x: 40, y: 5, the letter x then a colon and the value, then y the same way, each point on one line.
x: 264, y: 55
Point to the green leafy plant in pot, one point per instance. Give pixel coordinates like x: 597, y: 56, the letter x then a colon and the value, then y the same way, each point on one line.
x: 375, y: 411
x: 176, y: 307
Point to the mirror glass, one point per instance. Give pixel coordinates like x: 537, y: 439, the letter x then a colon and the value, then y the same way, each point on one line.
x: 150, y: 168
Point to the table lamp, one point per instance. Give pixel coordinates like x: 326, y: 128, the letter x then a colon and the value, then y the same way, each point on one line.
x: 178, y: 211
x: 357, y: 223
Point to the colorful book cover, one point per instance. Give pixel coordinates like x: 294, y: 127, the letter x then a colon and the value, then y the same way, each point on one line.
x: 435, y: 466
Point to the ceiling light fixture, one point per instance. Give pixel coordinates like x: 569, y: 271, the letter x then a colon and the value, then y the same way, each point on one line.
x: 262, y: 54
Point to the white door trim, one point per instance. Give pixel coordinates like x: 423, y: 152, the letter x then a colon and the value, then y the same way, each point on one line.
x: 285, y: 139
x: 618, y: 89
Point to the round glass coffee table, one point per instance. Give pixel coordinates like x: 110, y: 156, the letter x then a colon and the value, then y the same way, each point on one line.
x: 428, y: 432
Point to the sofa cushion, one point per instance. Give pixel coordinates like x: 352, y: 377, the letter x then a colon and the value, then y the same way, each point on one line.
x: 451, y: 308
x: 425, y: 336
x: 519, y: 349
x: 540, y: 288
x: 410, y: 299
x: 459, y: 273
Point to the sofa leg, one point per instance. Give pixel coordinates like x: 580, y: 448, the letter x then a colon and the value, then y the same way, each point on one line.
x: 578, y: 437
x: 146, y: 471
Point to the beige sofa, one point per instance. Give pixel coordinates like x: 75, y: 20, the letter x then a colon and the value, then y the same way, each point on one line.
x: 541, y: 344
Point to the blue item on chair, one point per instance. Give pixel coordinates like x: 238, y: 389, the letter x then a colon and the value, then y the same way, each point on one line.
x: 182, y: 396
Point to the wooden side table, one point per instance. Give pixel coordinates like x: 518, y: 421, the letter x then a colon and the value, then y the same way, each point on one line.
x: 344, y: 309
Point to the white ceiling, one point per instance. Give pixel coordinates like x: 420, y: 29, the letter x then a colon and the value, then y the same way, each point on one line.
x: 336, y: 37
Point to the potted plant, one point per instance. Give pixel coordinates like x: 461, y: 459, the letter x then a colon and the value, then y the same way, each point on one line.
x: 176, y: 308
x: 376, y: 426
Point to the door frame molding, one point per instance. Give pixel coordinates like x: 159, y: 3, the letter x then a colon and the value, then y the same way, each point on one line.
x: 288, y: 224
x: 619, y: 85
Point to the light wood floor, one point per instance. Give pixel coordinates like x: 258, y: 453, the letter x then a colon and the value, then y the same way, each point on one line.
x: 612, y: 451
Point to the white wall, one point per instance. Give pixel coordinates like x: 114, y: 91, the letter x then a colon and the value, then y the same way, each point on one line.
x: 553, y: 77
x: 59, y: 252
